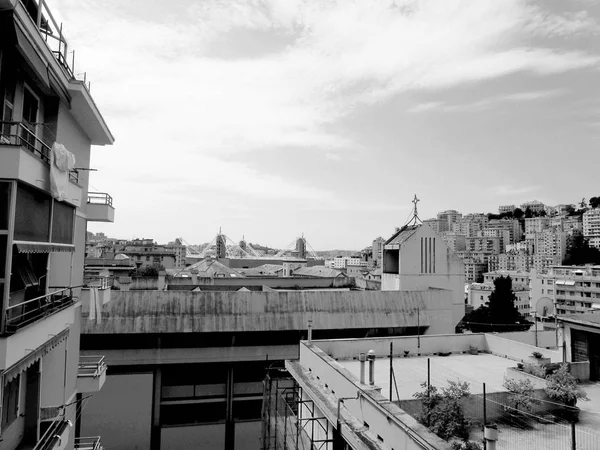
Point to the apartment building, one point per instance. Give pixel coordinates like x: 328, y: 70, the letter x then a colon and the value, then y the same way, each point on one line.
x: 436, y: 225
x: 492, y: 245
x: 377, y: 248
x: 471, y: 224
x: 145, y: 252
x: 517, y: 276
x: 503, y: 209
x: 573, y: 289
x: 511, y: 226
x: 474, y: 269
x: 536, y: 225
x: 517, y: 261
x: 448, y: 219
x: 455, y: 241
x: 534, y: 206
x: 551, y: 243
x: 180, y: 251
x: 591, y: 227
x: 48, y: 122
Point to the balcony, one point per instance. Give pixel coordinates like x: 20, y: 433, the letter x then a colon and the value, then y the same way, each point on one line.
x: 92, y: 373
x: 27, y: 312
x: 55, y: 434
x: 87, y: 443
x: 99, y: 207
x: 25, y: 156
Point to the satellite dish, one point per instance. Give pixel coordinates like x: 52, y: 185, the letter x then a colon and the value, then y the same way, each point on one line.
x: 544, y: 307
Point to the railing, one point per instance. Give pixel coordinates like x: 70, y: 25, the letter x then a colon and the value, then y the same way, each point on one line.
x: 91, y: 366
x: 17, y: 133
x: 99, y: 198
x: 87, y: 443
x: 97, y: 281
x: 30, y: 311
x: 51, y: 437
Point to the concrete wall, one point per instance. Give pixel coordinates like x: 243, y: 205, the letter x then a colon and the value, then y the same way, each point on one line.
x: 129, y: 400
x: 193, y: 437
x: 518, y: 351
x: 172, y: 311
x: 350, y: 348
x: 545, y: 339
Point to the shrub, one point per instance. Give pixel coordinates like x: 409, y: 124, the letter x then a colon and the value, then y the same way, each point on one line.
x: 465, y: 445
x: 442, y: 411
x: 562, y: 387
x: 535, y: 369
x: 521, y: 394
x: 537, y: 355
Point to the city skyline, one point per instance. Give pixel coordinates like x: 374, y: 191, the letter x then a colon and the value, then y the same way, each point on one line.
x: 304, y: 117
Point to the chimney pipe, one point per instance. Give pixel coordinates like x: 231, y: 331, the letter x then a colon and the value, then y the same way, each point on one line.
x: 309, y: 331
x: 362, y: 357
x: 371, y: 357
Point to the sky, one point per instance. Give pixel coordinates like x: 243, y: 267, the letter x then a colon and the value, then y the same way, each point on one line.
x: 276, y: 118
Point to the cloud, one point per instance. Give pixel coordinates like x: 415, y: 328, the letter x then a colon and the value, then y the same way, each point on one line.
x: 512, y: 190
x: 346, y: 54
x: 487, y: 103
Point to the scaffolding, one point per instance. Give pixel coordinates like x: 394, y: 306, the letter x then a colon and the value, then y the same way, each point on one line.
x: 291, y: 423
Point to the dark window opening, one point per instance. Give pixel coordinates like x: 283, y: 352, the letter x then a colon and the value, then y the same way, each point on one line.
x: 62, y: 223
x: 32, y: 215
x: 4, y: 205
x: 10, y: 401
x: 391, y: 261
x: 193, y: 413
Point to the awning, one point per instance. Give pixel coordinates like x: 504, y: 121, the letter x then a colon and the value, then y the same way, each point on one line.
x: 37, y: 64
x: 34, y: 356
x: 43, y: 247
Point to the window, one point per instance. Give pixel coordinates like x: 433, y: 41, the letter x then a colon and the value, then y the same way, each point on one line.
x: 32, y: 216
x: 62, y: 223
x: 10, y: 401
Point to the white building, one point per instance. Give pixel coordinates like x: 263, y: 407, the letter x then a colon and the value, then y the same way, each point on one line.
x: 448, y: 219
x: 416, y: 258
x: 48, y: 123
x: 506, y: 209
x: 591, y: 227
x: 534, y: 206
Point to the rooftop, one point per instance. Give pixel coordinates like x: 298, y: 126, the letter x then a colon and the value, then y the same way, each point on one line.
x: 591, y: 319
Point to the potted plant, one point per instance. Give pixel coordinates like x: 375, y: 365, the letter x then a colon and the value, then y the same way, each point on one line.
x: 562, y: 387
x: 520, y: 366
x: 473, y: 350
x: 537, y: 358
x: 406, y: 352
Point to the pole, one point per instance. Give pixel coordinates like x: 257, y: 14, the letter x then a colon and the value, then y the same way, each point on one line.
x: 428, y: 376
x: 573, y: 439
x: 536, y: 328
x: 418, y: 331
x: 484, y: 417
x: 391, y: 367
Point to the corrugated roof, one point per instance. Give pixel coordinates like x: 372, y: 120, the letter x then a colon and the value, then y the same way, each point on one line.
x: 184, y: 312
x: 592, y: 319
x: 402, y: 234
x: 318, y: 271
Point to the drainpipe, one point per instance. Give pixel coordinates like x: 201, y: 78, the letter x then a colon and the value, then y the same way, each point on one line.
x: 309, y: 331
x: 362, y: 357
x: 371, y: 358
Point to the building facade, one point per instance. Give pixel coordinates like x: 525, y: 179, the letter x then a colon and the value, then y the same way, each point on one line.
x: 479, y: 294
x: 591, y: 227
x: 448, y: 219
x: 417, y: 258
x: 48, y: 123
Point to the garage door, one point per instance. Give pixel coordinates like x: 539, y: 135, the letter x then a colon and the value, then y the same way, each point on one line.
x: 579, y: 346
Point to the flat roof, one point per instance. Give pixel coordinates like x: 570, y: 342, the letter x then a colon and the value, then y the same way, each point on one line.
x: 590, y: 319
x: 412, y: 371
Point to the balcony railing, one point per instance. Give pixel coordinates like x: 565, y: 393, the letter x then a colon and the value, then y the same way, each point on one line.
x: 17, y: 133
x: 20, y: 134
x: 87, y: 443
x: 91, y: 366
x: 99, y: 198
x: 52, y: 433
x: 29, y: 311
x: 97, y: 281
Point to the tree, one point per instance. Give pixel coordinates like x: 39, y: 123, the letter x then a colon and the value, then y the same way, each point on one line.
x: 570, y: 210
x: 151, y: 271
x: 581, y: 253
x: 499, y: 313
x: 562, y: 387
x: 442, y: 411
x: 528, y: 213
x: 520, y: 394
x: 594, y: 202
x: 518, y: 213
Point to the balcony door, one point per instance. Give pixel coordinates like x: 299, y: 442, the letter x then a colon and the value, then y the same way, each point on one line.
x: 31, y: 106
